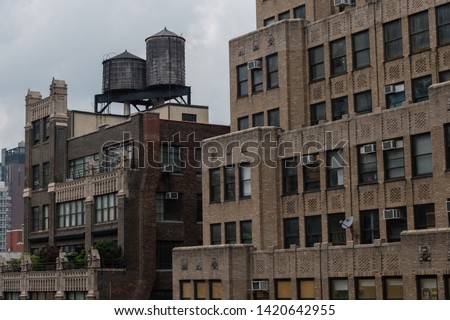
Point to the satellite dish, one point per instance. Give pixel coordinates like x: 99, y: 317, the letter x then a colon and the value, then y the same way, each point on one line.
x: 347, y: 222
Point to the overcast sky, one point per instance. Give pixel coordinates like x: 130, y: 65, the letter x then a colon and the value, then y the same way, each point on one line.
x: 67, y: 40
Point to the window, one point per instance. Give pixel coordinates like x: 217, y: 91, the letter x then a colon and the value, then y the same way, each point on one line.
x: 418, y: 32
x: 200, y: 290
x: 283, y: 290
x: 106, y: 207
x: 243, y: 123
x: 199, y: 207
x: 269, y: 21
x: 420, y: 88
x: 318, y: 112
x: 363, y: 102
x: 306, y: 289
x: 186, y: 290
x: 338, y: 57
x: 311, y: 175
x: 396, y: 226
x: 291, y: 232
x: 214, y: 185
x: 35, y: 177
x: 316, y: 63
x: 339, y: 107
x: 444, y: 76
x: 394, y: 162
x: 189, y: 117
x: 300, y: 12
x: 396, y: 98
x: 335, y: 168
x: 272, y: 71
x: 365, y: 289
x: 290, y: 179
x: 216, y: 234
x: 443, y: 24
x: 370, y: 226
x: 46, y: 174
x: 169, y: 209
x: 164, y: 253
x: 424, y: 217
x: 76, y: 295
x: 46, y: 128
x: 313, y: 230
x: 36, y: 131
x: 447, y: 143
x: 393, y: 288
x: 229, y: 183
x: 336, y: 234
x: 115, y: 156
x: 230, y: 232
x: 421, y: 155
x: 35, y: 219
x: 393, y: 47
x: 171, y: 156
x: 361, y: 50
x: 71, y: 214
x: 367, y: 164
x: 45, y: 209
x: 246, y: 231
x: 78, y: 167
x: 50, y: 295
x: 245, y: 180
x: 338, y: 289
x: 257, y: 80
x: 427, y: 288
x: 258, y: 119
x: 242, y: 74
x: 273, y: 117
x: 215, y: 290
x: 284, y: 16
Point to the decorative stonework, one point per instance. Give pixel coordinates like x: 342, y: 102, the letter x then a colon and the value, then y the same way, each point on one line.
x: 395, y: 195
x: 365, y: 131
x: 359, y: 20
x: 255, y: 45
x: 368, y: 198
x: 312, y: 205
x: 337, y: 26
x: 290, y: 207
x: 270, y: 40
x: 419, y: 120
x: 241, y: 51
x: 391, y: 9
x: 424, y: 253
x: 184, y: 265
x: 305, y: 265
x: 214, y: 264
x: 390, y: 262
x: 199, y: 265
x: 444, y: 58
x: 317, y: 91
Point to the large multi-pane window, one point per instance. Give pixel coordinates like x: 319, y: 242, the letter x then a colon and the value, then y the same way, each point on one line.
x: 393, y: 47
x: 36, y: 183
x: 257, y: 80
x: 338, y: 57
x: 71, y: 214
x: 336, y: 234
x: 246, y: 232
x: 214, y: 185
x: 79, y: 167
x: 243, y: 123
x: 370, y: 226
x: 273, y: 117
x: 258, y: 119
x: 393, y: 288
x: 338, y: 289
x: 36, y: 131
x: 395, y: 226
x: 335, y: 168
x: 230, y: 185
x: 394, y: 162
x: 272, y: 71
x: 300, y: 12
x: 420, y: 88
x: 427, y: 288
x: 216, y: 233
x: 116, y: 156
x: 367, y: 166
x: 245, y: 180
x: 418, y: 32
x: 318, y: 112
x: 316, y: 63
x: 313, y: 230
x: 290, y: 179
x: 291, y: 232
x: 361, y: 49
x: 363, y: 102
x: 35, y: 219
x: 421, y: 155
x: 424, y: 216
x: 106, y: 207
x: 169, y: 206
x: 171, y: 156
x: 242, y: 75
x: 230, y: 232
x: 443, y: 24
x: 339, y: 107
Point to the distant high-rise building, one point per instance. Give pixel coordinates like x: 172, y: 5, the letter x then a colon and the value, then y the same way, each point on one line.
x: 5, y: 208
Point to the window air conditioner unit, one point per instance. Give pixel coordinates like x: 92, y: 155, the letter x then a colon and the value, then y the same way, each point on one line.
x: 254, y: 65
x: 340, y: 3
x: 167, y: 168
x: 389, y: 89
x: 368, y: 148
x: 308, y: 159
x: 391, y: 214
x: 393, y: 88
x: 391, y: 144
x: 172, y: 195
x: 260, y: 285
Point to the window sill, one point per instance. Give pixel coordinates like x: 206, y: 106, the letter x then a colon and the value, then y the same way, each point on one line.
x: 170, y: 222
x: 256, y: 92
x: 395, y: 180
x: 316, y: 80
x: 245, y: 197
x: 312, y: 191
x: 274, y: 87
x: 393, y: 59
x: 215, y: 202
x: 420, y: 51
x: 423, y: 176
x: 361, y: 68
x: 296, y: 193
x: 335, y: 188
x: 229, y: 200
x: 360, y: 113
x: 338, y: 74
x: 362, y: 184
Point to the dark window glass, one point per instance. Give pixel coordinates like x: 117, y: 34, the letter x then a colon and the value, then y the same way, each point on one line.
x: 36, y: 131
x: 300, y: 12
x: 396, y: 97
x: 444, y: 76
x: 367, y: 164
x: 421, y: 155
x: 106, y: 207
x: 395, y: 226
x: 284, y: 16
x: 189, y: 117
x: 394, y: 162
x: 273, y: 117
x: 46, y: 216
x: 216, y: 234
x: 393, y: 47
x: 361, y: 49
x: 318, y: 112
x: 164, y: 254
x: 35, y: 177
x: 46, y: 174
x: 71, y: 214
x: 447, y: 144
x: 230, y: 186
x: 230, y: 232
x: 257, y: 80
x: 169, y: 207
x: 79, y: 167
x: 246, y: 231
x: 339, y: 107
x: 214, y: 185
x: 35, y: 219
x: 313, y: 230
x: 443, y: 23
x: 243, y: 123
x: 258, y: 119
x: 311, y: 173
x: 46, y: 128
x: 290, y: 178
x: 335, y: 168
x: 316, y: 63
x: 291, y: 232
x: 199, y: 207
x: 424, y: 216
x: 420, y: 88
x: 272, y: 71
x: 370, y: 226
x: 171, y: 156
x: 418, y: 32
x: 269, y: 21
x: 336, y: 234
x: 363, y: 102
x: 338, y: 57
x: 245, y: 180
x: 242, y: 74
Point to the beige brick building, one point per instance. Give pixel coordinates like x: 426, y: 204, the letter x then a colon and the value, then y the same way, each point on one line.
x: 333, y: 182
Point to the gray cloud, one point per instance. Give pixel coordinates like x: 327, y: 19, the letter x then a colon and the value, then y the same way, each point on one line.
x: 69, y: 39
